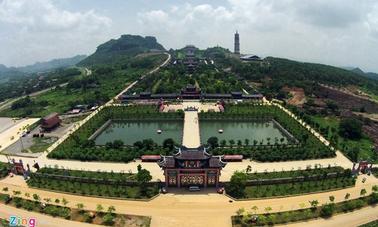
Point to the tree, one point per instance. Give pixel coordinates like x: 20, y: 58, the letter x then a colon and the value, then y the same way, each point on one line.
x: 118, y: 144
x: 36, y: 197
x: 223, y: 143
x: 327, y: 210
x: 213, y: 142
x: 240, y: 211
x: 64, y: 201
x: 111, y: 209
x: 246, y: 142
x: 375, y: 188
x: 99, y: 208
x: 143, y: 177
x: 237, y: 184
x: 255, y: 208
x: 314, y: 203
x: 347, y: 196
x: 268, y: 209
x: 80, y: 206
x: 350, y: 128
x: 169, y: 144
x: 363, y: 192
x: 332, y: 198
x: 248, y: 169
x: 231, y: 142
x: 108, y: 219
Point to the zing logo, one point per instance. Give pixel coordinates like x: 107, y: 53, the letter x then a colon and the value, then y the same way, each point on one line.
x: 20, y: 221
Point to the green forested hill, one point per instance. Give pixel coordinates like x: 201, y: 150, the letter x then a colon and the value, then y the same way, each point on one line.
x: 277, y: 72
x: 118, y: 50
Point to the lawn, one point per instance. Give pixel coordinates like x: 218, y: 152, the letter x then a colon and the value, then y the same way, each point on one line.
x: 92, y: 189
x: 297, y: 188
x: 364, y: 145
x: 370, y: 224
x: 40, y: 144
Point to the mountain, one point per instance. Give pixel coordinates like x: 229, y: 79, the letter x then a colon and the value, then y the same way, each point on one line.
x: 116, y: 50
x: 53, y: 64
x: 357, y: 70
x: 372, y: 75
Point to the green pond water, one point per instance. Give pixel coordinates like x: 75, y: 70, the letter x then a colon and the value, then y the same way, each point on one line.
x: 132, y: 131
x: 241, y: 130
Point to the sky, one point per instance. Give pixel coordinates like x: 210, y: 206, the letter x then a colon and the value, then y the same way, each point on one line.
x: 335, y: 32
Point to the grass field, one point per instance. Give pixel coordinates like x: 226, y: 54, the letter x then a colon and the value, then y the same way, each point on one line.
x: 41, y: 144
x: 364, y: 144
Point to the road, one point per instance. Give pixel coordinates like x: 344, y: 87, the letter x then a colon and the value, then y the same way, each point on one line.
x: 204, y: 208
x: 356, y: 218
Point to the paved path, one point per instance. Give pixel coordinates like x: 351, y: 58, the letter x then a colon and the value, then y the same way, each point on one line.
x: 191, y: 136
x: 204, y: 208
x: 356, y: 218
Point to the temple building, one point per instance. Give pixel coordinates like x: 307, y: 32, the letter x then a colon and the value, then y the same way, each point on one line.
x: 190, y: 60
x: 191, y: 167
x: 50, y: 122
x: 236, y: 43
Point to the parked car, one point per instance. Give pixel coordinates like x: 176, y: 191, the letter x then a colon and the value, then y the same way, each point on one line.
x: 194, y: 188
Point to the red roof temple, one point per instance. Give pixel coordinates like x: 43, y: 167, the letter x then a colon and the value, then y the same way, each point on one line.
x: 191, y: 167
x: 51, y: 121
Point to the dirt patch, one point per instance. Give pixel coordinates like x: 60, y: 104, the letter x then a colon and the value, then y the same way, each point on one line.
x: 372, y: 131
x: 298, y: 97
x: 346, y: 100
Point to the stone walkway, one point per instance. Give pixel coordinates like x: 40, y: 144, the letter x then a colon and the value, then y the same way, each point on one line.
x: 191, y: 135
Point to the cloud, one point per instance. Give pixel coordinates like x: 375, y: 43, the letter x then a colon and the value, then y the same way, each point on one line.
x: 39, y: 30
x: 337, y: 32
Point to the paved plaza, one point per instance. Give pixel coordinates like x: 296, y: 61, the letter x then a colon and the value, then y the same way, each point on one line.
x: 11, y: 131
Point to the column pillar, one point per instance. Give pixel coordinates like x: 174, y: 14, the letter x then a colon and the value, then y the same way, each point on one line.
x: 166, y: 178
x: 205, y: 179
x: 178, y: 179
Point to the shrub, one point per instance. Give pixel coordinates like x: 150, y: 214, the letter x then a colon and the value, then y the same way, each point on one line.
x: 327, y: 210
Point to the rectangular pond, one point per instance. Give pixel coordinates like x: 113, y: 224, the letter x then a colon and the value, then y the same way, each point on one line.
x: 241, y: 130
x: 132, y: 131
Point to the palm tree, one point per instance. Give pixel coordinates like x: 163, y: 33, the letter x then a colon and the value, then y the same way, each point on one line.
x: 314, y: 203
x: 99, y: 208
x: 255, y: 208
x: 332, y: 198
x: 248, y: 169
x: 347, y: 196
x: 64, y: 201
x: 80, y: 206
x: 268, y: 209
x: 36, y: 197
x: 240, y: 211
x: 111, y: 209
x: 363, y: 192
